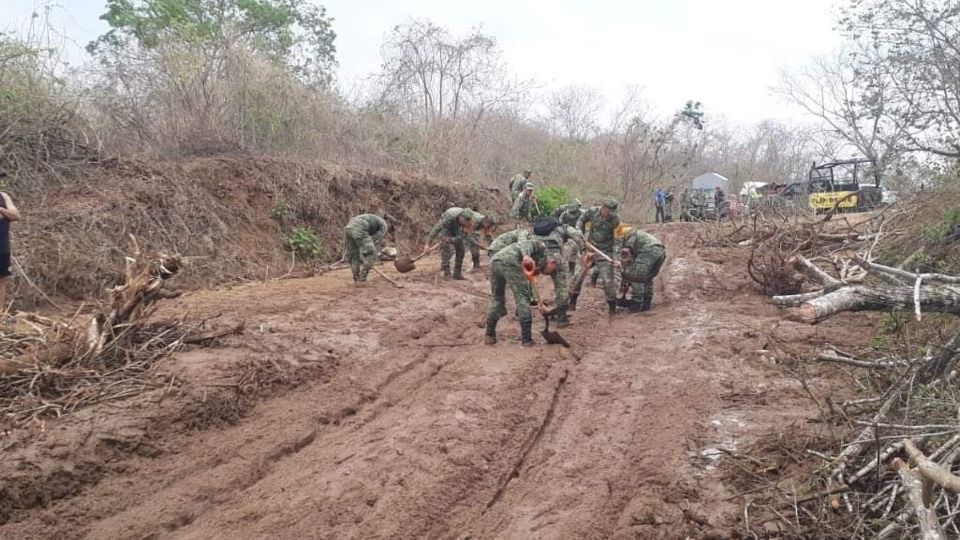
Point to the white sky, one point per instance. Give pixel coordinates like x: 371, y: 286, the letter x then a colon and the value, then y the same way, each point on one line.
x: 725, y: 53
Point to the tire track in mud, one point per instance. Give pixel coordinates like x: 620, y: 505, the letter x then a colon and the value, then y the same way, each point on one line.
x: 532, y: 441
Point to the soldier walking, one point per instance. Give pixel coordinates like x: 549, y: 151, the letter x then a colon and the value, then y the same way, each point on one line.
x: 598, y: 224
x: 454, y: 226
x: 507, y: 269
x: 516, y: 184
x: 642, y: 256
x: 363, y: 233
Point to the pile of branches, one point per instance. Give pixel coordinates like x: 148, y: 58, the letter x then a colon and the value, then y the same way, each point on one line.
x: 48, y: 367
x: 896, y: 475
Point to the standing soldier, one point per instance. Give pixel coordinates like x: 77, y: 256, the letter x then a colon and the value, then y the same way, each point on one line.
x: 568, y: 214
x: 454, y: 226
x: 659, y: 200
x: 602, y: 221
x: 642, y: 255
x: 554, y: 240
x: 509, y: 268
x: 483, y: 225
x: 686, y: 201
x: 517, y: 183
x: 364, y: 232
x: 525, y: 207
x: 720, y: 199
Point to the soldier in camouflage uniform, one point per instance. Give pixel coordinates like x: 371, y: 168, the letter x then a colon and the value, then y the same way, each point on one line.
x: 506, y: 239
x: 506, y: 270
x: 686, y: 203
x: 485, y: 226
x: 517, y: 183
x: 642, y: 255
x: 555, y: 241
x: 601, y: 221
x: 454, y: 226
x: 568, y: 214
x: 525, y: 207
x: 363, y: 233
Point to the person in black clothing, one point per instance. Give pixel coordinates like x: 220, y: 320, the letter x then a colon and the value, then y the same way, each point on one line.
x: 8, y: 214
x: 721, y: 200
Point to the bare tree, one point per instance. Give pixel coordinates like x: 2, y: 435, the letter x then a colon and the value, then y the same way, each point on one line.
x: 852, y: 102
x: 575, y: 111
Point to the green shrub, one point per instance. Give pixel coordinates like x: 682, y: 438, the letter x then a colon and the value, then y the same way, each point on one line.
x: 945, y: 228
x: 281, y: 210
x: 304, y: 242
x: 550, y: 197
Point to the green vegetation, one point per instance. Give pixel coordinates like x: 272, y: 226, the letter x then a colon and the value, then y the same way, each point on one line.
x: 304, y: 242
x: 949, y: 226
x: 550, y: 197
x: 281, y: 210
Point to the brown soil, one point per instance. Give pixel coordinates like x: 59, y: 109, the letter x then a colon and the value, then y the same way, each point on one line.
x: 218, y: 212
x: 377, y: 412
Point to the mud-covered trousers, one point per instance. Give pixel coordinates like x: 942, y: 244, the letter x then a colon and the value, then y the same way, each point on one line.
x: 361, y: 253
x: 605, y: 275
x: 507, y: 275
x: 454, y: 248
x: 645, y: 266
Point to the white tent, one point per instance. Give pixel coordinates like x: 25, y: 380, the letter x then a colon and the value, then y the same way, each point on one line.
x: 751, y: 189
x: 711, y: 181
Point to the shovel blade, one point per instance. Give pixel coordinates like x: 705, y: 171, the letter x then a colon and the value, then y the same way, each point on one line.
x: 404, y: 264
x: 553, y: 338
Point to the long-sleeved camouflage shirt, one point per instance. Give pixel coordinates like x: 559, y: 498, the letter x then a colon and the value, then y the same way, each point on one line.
x: 513, y: 254
x: 600, y: 232
x: 568, y: 214
x: 559, y: 236
x: 449, y: 224
x: 524, y: 208
x: 508, y: 238
x: 639, y: 241
x: 371, y: 224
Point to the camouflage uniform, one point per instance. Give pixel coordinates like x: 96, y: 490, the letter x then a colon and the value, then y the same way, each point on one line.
x: 647, y: 255
x: 686, y: 203
x: 568, y: 214
x: 506, y: 239
x: 524, y: 208
x: 554, y: 243
x: 473, y: 239
x: 450, y: 228
x: 600, y: 234
x: 516, y: 186
x: 505, y: 270
x: 364, y: 232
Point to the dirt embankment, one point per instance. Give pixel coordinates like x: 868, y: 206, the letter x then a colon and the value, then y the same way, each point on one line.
x: 222, y: 211
x: 378, y: 413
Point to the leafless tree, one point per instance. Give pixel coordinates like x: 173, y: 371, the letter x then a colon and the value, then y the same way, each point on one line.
x: 575, y: 111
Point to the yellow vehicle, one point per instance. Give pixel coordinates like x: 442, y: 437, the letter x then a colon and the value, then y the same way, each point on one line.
x: 837, y: 185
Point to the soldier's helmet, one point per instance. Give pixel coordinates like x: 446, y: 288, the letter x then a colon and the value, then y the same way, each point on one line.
x: 610, y: 203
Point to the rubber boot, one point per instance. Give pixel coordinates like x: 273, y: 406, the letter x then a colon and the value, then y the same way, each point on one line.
x: 647, y: 300
x: 635, y: 305
x: 458, y: 271
x: 476, y: 262
x: 611, y: 307
x: 446, y: 271
x: 572, y: 306
x: 526, y: 333
x: 490, y: 336
x: 561, y: 318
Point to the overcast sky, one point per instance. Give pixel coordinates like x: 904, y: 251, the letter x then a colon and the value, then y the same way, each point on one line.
x: 725, y: 53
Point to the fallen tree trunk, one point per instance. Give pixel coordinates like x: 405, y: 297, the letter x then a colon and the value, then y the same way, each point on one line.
x: 930, y: 470
x: 933, y: 298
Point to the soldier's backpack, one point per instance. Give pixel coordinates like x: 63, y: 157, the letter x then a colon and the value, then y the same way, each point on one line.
x: 545, y: 225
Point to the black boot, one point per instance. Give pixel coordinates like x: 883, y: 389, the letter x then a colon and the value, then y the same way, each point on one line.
x: 611, y: 307
x: 623, y: 302
x: 476, y: 262
x: 526, y: 334
x: 635, y: 305
x: 458, y: 270
x: 561, y: 317
x: 647, y: 300
x: 572, y: 306
x: 490, y: 336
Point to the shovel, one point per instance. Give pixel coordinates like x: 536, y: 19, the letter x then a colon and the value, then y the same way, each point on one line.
x: 552, y: 337
x: 405, y: 264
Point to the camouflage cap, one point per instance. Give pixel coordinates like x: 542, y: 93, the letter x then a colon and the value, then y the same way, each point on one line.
x: 610, y: 203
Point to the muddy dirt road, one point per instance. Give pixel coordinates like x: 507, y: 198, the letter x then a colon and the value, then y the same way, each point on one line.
x: 345, y: 413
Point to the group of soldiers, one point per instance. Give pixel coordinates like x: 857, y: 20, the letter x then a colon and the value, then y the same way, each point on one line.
x: 566, y: 246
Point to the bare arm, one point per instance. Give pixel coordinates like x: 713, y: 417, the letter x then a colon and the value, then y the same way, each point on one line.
x: 10, y: 213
